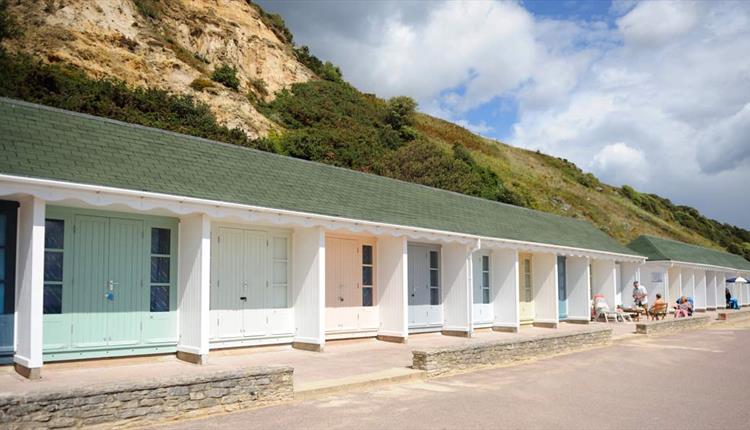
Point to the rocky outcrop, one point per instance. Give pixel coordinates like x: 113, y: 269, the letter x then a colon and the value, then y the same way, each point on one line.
x: 166, y: 45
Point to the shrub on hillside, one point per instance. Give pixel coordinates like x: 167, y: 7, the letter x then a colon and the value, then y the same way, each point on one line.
x: 200, y: 84
x: 227, y: 76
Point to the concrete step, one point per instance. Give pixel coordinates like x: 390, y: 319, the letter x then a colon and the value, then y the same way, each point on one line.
x: 307, y: 390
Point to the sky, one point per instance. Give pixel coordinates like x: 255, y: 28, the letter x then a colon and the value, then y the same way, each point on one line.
x: 655, y: 94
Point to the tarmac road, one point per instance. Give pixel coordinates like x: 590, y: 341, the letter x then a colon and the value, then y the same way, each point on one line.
x: 694, y: 380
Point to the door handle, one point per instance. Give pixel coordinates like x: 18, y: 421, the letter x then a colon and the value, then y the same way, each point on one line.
x: 243, y: 298
x: 341, y: 299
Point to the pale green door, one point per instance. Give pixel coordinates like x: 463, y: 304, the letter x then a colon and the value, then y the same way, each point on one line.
x: 107, y: 292
x: 125, y: 305
x: 89, y: 304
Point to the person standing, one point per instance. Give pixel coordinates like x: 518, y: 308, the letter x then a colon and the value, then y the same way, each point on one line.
x: 640, y: 296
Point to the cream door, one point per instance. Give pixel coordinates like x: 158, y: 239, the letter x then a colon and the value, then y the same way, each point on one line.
x: 483, y: 312
x: 525, y: 290
x: 343, y: 292
x: 425, y: 305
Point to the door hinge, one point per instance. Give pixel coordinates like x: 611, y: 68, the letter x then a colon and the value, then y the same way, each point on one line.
x: 74, y: 229
x: 218, y: 239
x: 218, y: 322
x: 266, y: 243
x: 71, y: 329
x: 266, y: 284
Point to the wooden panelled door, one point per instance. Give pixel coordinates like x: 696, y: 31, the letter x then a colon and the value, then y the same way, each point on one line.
x: 562, y: 290
x: 343, y: 288
x: 525, y: 290
x: 425, y: 304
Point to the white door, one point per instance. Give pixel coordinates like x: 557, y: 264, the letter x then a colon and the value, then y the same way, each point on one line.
x: 249, y: 286
x: 482, y: 307
x: 425, y: 305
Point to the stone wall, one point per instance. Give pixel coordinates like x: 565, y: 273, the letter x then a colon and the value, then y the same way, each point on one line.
x: 438, y: 361
x: 733, y: 314
x: 148, y: 402
x: 672, y: 325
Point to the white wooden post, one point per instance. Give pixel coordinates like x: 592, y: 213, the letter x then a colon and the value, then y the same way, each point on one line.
x: 309, y: 281
x: 711, y: 291
x: 504, y: 289
x: 579, y: 289
x: 456, y: 278
x: 194, y: 289
x: 675, y: 286
x: 544, y: 277
x: 392, y: 288
x: 700, y: 290
x: 688, y: 283
x: 30, y: 288
x: 603, y: 280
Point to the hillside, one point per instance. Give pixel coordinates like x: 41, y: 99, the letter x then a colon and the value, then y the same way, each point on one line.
x: 228, y: 71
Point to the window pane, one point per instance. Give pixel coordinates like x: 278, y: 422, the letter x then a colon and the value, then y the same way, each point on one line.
x: 2, y: 297
x: 54, y: 234
x: 3, y: 224
x: 52, y: 299
x: 486, y: 296
x: 279, y: 248
x: 160, y: 240
x: 2, y: 264
x: 367, y: 296
x: 160, y: 270
x: 434, y: 296
x: 159, y: 298
x: 433, y: 260
x: 434, y: 278
x: 485, y: 279
x: 53, y: 266
x: 366, y: 254
x: 279, y: 272
x: 366, y: 275
x: 485, y: 263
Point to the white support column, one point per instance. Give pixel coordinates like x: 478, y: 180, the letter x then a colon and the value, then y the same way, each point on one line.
x: 544, y: 276
x: 603, y: 280
x: 675, y: 286
x: 193, y: 289
x: 688, y: 283
x: 456, y: 278
x: 721, y: 290
x: 309, y: 281
x: 504, y: 289
x: 579, y: 290
x: 30, y: 288
x: 392, y: 289
x: 700, y: 290
x: 712, y: 293
x: 629, y: 274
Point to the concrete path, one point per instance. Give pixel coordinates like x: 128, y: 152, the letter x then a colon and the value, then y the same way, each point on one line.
x: 692, y: 380
x: 349, y: 362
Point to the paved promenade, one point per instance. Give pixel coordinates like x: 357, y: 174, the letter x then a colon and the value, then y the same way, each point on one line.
x: 691, y: 380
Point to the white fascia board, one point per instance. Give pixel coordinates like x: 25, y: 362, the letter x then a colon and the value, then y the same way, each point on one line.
x: 692, y: 266
x: 99, y: 195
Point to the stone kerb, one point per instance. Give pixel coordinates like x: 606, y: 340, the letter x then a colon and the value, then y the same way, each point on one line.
x: 672, y: 325
x: 127, y: 404
x: 733, y: 314
x: 439, y: 361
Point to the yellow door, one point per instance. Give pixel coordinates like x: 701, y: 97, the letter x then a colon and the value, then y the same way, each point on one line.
x: 525, y: 290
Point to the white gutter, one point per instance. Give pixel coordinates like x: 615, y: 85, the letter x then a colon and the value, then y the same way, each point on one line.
x: 218, y: 203
x: 671, y: 263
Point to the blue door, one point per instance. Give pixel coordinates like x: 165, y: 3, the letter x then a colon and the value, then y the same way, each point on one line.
x: 8, y: 211
x: 562, y: 294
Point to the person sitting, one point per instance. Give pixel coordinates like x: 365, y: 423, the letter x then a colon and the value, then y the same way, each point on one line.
x: 681, y: 310
x: 732, y: 302
x: 659, y: 308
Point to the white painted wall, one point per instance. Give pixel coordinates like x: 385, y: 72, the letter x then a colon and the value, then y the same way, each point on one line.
x: 688, y: 283
x: 308, y: 285
x: 579, y: 288
x: 675, y: 286
x: 456, y: 277
x: 504, y: 287
x: 699, y: 280
x: 603, y: 280
x: 193, y: 288
x: 30, y: 283
x: 712, y: 294
x: 721, y: 284
x: 654, y: 278
x: 392, y: 276
x: 629, y: 273
x: 544, y: 277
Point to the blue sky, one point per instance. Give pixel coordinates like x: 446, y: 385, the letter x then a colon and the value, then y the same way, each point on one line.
x: 655, y: 94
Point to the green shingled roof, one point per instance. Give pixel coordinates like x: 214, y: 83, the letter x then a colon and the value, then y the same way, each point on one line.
x: 43, y: 142
x: 660, y: 249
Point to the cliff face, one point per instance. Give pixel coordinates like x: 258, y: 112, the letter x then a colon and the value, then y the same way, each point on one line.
x: 168, y: 45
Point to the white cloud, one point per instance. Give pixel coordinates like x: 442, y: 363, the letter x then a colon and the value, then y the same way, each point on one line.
x: 657, y: 22
x: 622, y: 164
x: 726, y: 144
